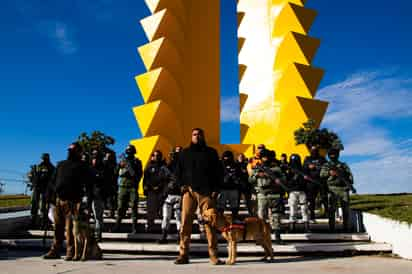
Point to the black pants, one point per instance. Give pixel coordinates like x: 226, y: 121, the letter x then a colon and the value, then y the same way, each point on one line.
x: 311, y: 194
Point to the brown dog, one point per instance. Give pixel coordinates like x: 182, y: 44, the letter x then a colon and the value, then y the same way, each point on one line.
x: 251, y: 229
x: 85, y: 245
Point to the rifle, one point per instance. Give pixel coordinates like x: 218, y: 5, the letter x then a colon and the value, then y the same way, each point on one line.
x: 310, y: 179
x: 273, y: 176
x: 341, y: 177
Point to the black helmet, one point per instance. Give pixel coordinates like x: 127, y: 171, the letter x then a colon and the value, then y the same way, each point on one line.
x: 45, y: 156
x: 228, y: 154
x: 264, y: 153
x: 295, y: 161
x: 333, y: 153
x: 272, y: 155
x: 130, y: 150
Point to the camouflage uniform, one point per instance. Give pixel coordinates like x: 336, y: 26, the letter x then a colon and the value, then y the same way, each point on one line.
x: 269, y: 194
x: 338, y: 190
x: 130, y: 173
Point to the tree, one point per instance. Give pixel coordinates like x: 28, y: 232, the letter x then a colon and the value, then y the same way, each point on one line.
x: 97, y: 140
x: 309, y: 135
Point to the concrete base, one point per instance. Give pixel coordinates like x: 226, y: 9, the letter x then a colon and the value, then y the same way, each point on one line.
x: 399, y: 235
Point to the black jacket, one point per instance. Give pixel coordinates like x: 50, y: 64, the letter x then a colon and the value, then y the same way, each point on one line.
x: 199, y: 167
x: 314, y: 174
x: 156, y: 176
x: 71, y: 180
x: 231, y: 176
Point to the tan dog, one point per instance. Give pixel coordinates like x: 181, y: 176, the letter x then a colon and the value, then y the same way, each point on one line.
x: 252, y: 229
x: 85, y: 244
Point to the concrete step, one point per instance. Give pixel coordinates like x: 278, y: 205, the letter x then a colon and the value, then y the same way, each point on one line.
x: 200, y: 248
x: 297, y: 237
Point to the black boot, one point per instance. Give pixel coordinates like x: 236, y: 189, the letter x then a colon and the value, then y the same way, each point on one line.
x: 292, y: 227
x: 163, y: 240
x: 307, y: 228
x: 134, y: 227
x: 116, y: 227
x: 278, y: 240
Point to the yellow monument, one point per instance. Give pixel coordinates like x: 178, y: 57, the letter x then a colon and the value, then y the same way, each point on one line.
x: 277, y: 81
x: 181, y: 88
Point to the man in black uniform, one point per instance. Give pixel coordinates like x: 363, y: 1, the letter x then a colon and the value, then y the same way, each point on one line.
x: 111, y: 174
x: 40, y: 176
x: 229, y: 189
x: 155, y: 179
x: 199, y: 172
x: 311, y: 168
x: 70, y: 182
x: 245, y: 187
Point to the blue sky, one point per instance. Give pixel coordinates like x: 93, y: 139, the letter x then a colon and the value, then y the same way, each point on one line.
x: 68, y: 67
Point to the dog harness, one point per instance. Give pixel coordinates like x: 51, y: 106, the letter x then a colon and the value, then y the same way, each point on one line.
x: 233, y: 226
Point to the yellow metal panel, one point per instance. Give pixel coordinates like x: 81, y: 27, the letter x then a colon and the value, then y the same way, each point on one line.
x: 159, y: 84
x: 298, y: 80
x: 161, y: 53
x: 262, y: 123
x: 296, y: 48
x: 164, y: 24
x: 278, y: 73
x: 297, y: 111
x: 293, y: 18
x: 157, y: 118
x: 176, y: 6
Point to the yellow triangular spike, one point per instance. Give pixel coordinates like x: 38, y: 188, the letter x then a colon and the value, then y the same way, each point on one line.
x: 298, y: 80
x: 175, y: 6
x: 297, y: 111
x: 242, y: 99
x: 163, y: 24
x: 161, y: 53
x: 150, y: 51
x: 242, y: 70
x: 243, y: 131
x: 147, y: 83
x: 240, y: 16
x: 145, y: 116
x: 159, y: 84
x: 283, y: 2
x: 296, y: 48
x: 240, y: 42
x: 157, y: 118
x: 314, y: 109
x: 293, y: 18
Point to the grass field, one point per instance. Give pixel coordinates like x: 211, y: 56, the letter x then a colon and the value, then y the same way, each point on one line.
x: 394, y: 206
x: 14, y: 200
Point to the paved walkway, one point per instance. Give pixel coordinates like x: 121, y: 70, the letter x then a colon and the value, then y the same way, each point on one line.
x: 30, y: 262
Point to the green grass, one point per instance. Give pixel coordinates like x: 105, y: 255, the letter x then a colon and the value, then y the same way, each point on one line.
x: 14, y: 200
x: 393, y: 206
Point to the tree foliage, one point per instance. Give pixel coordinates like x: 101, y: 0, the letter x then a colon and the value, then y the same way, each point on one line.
x: 96, y: 140
x: 310, y: 135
